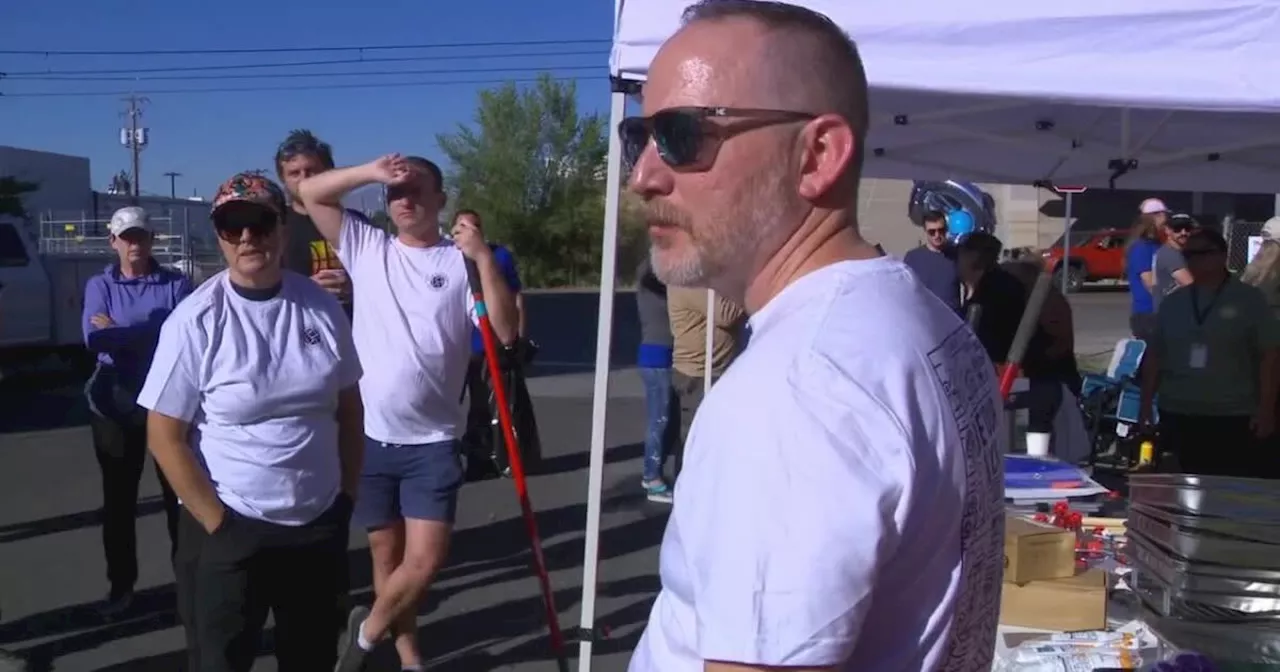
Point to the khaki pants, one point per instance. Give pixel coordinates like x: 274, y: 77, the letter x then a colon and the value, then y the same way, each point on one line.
x: 689, y: 391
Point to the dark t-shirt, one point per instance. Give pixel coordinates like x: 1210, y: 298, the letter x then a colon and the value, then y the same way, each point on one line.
x: 308, y: 252
x: 937, y: 270
x: 1003, y: 299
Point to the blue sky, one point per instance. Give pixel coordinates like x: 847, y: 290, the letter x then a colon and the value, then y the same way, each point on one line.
x: 209, y: 136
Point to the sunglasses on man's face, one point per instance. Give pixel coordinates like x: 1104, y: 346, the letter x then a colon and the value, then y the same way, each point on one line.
x: 402, y: 191
x: 687, y: 139
x: 933, y: 233
x: 134, y: 236
x: 260, y: 223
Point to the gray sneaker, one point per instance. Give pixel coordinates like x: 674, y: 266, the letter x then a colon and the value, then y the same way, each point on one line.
x: 351, y: 656
x: 657, y: 490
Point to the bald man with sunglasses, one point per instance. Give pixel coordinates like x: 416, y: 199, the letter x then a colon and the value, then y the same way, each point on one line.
x: 841, y: 505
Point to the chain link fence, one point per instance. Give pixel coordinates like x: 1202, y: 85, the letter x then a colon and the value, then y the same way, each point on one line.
x: 183, y: 239
x: 1237, y: 232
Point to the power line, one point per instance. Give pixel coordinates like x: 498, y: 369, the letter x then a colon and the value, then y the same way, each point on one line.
x: 295, y: 64
x: 304, y: 87
x: 292, y: 75
x: 296, y: 50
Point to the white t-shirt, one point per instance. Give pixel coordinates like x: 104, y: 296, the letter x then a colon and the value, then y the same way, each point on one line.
x: 258, y: 380
x: 841, y: 500
x: 413, y: 318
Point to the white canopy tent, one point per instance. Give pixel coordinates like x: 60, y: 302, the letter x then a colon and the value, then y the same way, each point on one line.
x: 1134, y: 94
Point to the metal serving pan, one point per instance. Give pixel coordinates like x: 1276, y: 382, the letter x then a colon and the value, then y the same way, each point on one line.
x: 1241, y: 499
x: 1204, y: 547
x: 1235, y: 642
x: 1201, y: 606
x: 1267, y: 533
x: 1198, y: 577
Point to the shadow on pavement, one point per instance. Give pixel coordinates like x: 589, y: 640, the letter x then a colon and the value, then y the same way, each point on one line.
x: 152, y: 610
x: 494, y: 554
x: 72, y: 521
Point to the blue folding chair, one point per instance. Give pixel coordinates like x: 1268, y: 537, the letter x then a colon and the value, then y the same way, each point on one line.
x: 1112, y: 401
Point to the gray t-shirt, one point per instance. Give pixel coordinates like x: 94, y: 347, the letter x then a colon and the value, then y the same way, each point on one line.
x: 651, y: 303
x: 1166, y: 262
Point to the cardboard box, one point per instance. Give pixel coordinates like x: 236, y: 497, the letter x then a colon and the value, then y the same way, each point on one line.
x: 1076, y: 604
x: 1036, y: 551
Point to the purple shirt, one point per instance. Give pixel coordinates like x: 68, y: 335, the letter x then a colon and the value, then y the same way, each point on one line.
x: 137, y: 307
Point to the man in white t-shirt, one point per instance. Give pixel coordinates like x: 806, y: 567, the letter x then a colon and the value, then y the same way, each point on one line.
x: 413, y: 319
x: 255, y: 420
x: 841, y: 504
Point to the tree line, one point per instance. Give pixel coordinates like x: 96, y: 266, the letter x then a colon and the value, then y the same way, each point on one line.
x: 534, y: 166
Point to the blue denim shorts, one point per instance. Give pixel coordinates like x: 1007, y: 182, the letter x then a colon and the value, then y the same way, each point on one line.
x: 400, y: 482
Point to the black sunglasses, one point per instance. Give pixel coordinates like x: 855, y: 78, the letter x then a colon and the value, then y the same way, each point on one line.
x: 404, y: 191
x: 685, y: 137
x: 259, y: 222
x: 936, y: 232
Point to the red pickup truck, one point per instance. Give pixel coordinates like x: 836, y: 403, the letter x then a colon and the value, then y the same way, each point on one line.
x: 1095, y: 255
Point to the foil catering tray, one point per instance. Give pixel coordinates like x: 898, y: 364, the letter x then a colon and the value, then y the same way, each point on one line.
x: 1203, y: 547
x: 1236, y: 643
x: 1263, y: 532
x: 1181, y: 575
x: 1198, y: 605
x: 1240, y: 499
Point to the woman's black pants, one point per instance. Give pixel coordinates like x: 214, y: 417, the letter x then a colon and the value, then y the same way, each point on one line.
x: 121, y: 448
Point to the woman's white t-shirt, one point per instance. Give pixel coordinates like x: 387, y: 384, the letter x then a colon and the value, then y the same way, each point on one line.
x: 258, y: 381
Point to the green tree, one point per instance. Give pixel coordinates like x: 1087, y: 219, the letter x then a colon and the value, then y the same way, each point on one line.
x: 11, y: 192
x: 534, y: 167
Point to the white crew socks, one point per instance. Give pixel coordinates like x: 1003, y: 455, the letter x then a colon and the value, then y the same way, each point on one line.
x: 1038, y: 444
x: 364, y: 644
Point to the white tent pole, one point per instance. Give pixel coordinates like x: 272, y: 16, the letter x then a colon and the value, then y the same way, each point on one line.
x: 600, y: 399
x: 710, y: 344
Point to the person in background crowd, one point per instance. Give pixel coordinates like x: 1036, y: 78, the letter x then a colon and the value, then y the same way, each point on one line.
x: 1057, y: 322
x: 935, y: 261
x: 841, y: 506
x: 1002, y: 298
x: 300, y: 156
x: 1264, y: 272
x: 1213, y: 365
x: 1169, y: 267
x: 1139, y: 256
x: 479, y: 432
x: 124, y: 307
x: 687, y: 315
x: 256, y: 420
x: 654, y: 360
x: 414, y: 319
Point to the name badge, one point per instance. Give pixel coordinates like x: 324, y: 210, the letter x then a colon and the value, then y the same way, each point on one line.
x: 1199, y: 355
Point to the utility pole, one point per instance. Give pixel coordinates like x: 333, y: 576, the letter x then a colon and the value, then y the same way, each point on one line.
x: 173, y: 192
x: 134, y: 137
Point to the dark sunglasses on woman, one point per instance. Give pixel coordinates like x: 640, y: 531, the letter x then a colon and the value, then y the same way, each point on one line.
x: 687, y: 139
x: 232, y: 221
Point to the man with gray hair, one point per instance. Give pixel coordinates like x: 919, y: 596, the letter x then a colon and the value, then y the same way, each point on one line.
x: 841, y: 507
